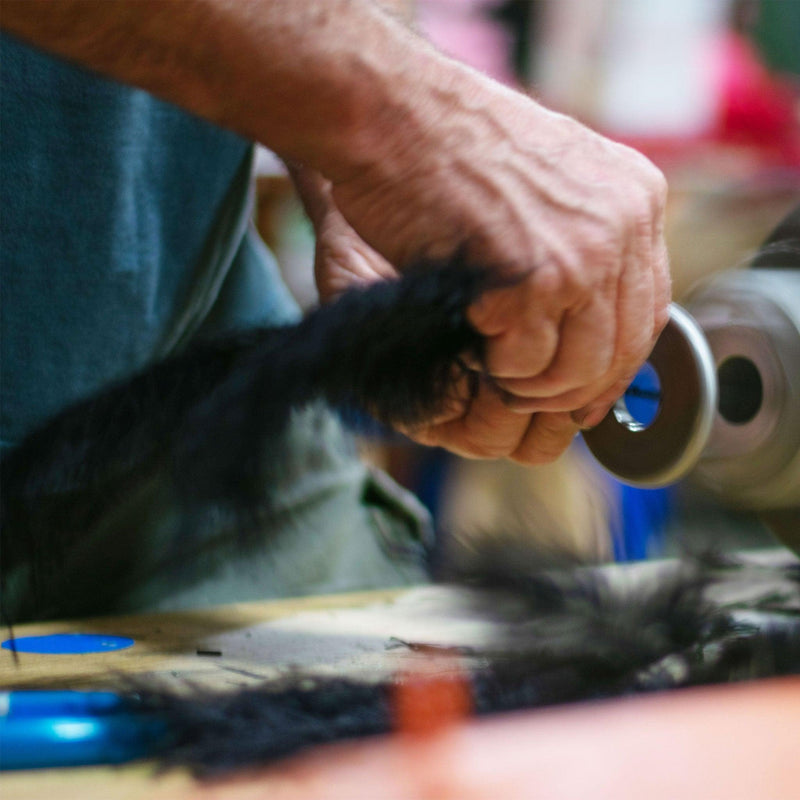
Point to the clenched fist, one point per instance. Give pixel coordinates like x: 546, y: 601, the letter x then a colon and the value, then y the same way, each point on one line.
x: 577, y: 218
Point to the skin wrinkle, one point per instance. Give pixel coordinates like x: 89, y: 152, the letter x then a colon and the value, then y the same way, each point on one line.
x: 512, y: 212
x: 379, y: 206
x: 571, y: 195
x: 486, y: 441
x: 598, y: 386
x: 444, y: 165
x: 480, y: 433
x: 626, y: 358
x: 548, y: 200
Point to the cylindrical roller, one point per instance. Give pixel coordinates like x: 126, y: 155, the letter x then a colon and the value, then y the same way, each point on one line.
x: 751, y: 319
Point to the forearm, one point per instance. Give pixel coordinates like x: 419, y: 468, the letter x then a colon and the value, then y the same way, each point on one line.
x: 325, y: 83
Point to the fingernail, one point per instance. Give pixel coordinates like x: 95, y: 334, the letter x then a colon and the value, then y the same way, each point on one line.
x: 589, y: 418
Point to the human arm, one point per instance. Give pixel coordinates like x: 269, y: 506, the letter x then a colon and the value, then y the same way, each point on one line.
x: 308, y: 78
x: 424, y: 156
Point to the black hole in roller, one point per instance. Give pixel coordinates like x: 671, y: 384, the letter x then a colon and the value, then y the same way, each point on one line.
x: 740, y: 390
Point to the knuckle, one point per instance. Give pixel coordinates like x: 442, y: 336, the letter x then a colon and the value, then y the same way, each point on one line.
x: 634, y: 353
x: 660, y: 188
x: 640, y: 214
x: 654, y: 190
x: 641, y: 206
x: 664, y: 285
x: 661, y: 318
x: 597, y: 256
x: 549, y: 279
x: 647, y: 168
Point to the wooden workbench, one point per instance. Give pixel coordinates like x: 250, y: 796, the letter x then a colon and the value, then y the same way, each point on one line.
x: 255, y: 642
x: 731, y: 742
x: 251, y: 637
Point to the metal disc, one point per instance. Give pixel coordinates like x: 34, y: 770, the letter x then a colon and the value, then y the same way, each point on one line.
x: 667, y: 448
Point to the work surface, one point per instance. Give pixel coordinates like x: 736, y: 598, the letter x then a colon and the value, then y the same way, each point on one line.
x: 741, y: 739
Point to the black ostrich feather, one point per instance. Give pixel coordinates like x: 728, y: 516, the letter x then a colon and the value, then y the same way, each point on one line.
x: 205, y: 421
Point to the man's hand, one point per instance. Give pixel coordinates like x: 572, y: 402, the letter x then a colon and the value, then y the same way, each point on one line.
x: 535, y: 194
x: 578, y: 216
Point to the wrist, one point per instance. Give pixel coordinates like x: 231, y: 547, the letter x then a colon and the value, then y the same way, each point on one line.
x: 385, y: 98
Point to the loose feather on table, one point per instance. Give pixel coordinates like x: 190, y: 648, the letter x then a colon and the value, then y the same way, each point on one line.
x: 559, y: 635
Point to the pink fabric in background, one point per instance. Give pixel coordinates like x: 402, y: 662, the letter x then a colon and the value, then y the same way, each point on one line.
x: 465, y: 30
x: 756, y: 107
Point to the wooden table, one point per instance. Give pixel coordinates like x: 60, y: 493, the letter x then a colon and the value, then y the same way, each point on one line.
x: 249, y: 636
x: 726, y: 742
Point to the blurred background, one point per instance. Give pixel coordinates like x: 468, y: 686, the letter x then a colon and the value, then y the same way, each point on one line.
x: 710, y: 91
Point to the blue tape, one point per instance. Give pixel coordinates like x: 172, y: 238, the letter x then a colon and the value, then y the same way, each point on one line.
x: 68, y: 643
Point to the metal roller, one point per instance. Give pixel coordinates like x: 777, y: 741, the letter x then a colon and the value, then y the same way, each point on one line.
x: 751, y: 320
x: 728, y: 411
x: 662, y: 452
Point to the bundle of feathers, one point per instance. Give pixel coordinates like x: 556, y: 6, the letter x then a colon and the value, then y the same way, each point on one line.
x: 203, y: 419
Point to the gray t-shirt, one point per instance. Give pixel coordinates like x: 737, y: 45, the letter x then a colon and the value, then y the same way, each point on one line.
x: 125, y: 232
x: 125, y: 228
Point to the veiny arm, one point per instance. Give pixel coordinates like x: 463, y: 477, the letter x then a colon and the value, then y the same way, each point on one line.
x: 313, y: 80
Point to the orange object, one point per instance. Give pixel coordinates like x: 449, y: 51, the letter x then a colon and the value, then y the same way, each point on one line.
x: 426, y: 702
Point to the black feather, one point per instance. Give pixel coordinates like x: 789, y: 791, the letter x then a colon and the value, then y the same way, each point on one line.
x: 203, y: 422
x: 559, y: 636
